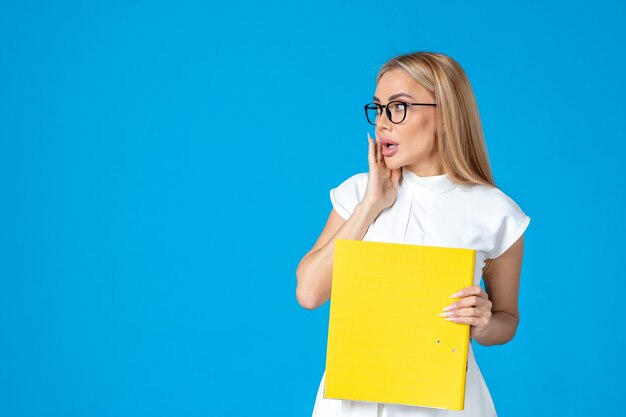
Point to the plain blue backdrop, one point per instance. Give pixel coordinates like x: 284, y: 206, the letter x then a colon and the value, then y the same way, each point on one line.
x: 164, y: 166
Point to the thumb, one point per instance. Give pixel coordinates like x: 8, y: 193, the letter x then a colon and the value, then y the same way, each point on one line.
x: 395, y: 176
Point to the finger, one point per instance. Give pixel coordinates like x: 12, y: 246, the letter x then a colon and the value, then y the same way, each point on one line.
x: 469, y: 301
x: 378, y: 151
x: 473, y: 321
x: 472, y: 300
x: 476, y: 290
x: 370, y: 150
x: 395, y: 177
x: 473, y: 290
x: 471, y: 312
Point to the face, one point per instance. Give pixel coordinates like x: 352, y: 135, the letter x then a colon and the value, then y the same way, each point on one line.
x: 415, y: 135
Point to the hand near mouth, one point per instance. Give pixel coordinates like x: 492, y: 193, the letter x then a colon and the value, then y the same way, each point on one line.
x: 382, y: 183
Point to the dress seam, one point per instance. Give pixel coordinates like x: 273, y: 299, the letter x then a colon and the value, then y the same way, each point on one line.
x: 408, y: 220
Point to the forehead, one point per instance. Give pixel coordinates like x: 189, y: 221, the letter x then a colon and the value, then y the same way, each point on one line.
x: 398, y: 81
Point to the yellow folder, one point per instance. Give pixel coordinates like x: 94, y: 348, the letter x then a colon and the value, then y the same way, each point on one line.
x: 386, y: 340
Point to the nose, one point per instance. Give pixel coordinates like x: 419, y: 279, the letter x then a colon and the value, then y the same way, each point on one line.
x: 383, y: 121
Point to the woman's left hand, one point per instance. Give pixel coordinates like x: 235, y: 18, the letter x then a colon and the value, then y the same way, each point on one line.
x: 473, y: 308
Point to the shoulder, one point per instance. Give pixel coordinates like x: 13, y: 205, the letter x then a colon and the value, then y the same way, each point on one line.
x: 349, y: 193
x: 355, y: 183
x: 497, y: 214
x: 490, y: 198
x: 357, y: 179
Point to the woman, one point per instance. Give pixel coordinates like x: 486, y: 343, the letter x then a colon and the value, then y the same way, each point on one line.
x: 429, y: 183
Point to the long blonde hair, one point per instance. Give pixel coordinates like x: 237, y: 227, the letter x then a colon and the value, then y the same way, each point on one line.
x: 460, y: 139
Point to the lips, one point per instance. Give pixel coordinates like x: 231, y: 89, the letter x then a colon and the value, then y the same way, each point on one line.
x: 386, y: 142
x: 389, y: 147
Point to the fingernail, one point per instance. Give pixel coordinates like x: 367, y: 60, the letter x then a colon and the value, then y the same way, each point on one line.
x: 450, y: 318
x: 456, y: 294
x: 448, y: 308
x: 445, y: 314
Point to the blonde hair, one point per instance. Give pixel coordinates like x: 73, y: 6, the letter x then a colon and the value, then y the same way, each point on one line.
x: 460, y: 139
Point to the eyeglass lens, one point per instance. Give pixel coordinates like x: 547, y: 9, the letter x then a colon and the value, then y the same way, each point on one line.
x: 396, y: 111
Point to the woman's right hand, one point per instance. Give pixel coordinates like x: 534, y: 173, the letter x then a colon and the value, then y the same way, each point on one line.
x: 382, y: 182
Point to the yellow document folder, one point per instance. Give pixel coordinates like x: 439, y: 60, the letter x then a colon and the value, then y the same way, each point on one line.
x: 386, y: 340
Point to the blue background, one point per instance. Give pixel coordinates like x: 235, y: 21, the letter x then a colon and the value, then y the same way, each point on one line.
x: 164, y: 166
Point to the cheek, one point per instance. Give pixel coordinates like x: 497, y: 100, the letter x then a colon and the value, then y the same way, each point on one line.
x: 423, y: 130
x: 428, y: 124
x: 421, y: 136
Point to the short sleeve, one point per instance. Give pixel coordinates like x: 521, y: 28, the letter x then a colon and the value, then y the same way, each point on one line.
x: 512, y: 225
x: 348, y: 194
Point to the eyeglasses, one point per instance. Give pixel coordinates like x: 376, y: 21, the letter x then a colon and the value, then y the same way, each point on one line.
x: 396, y: 110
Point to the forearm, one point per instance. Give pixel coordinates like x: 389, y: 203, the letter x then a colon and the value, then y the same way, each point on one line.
x: 314, y: 273
x: 500, y: 330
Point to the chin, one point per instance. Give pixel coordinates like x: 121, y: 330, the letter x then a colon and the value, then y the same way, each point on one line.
x: 392, y: 163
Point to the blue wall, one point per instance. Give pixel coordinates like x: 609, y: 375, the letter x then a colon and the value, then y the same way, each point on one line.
x: 165, y: 166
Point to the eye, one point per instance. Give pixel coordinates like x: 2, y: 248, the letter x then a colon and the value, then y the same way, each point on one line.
x: 398, y: 107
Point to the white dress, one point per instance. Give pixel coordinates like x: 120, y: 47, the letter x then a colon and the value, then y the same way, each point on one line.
x: 433, y: 211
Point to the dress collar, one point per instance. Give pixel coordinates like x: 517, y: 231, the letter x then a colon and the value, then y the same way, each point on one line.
x: 435, y: 184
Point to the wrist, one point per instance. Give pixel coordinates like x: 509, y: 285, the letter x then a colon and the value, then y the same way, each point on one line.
x: 370, y: 209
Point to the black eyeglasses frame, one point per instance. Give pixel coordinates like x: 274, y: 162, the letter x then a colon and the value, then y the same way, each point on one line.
x: 379, y: 107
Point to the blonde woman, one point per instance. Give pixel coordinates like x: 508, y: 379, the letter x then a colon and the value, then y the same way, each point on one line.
x: 429, y: 183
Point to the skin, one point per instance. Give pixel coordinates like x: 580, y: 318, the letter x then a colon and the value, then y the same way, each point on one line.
x: 493, y: 316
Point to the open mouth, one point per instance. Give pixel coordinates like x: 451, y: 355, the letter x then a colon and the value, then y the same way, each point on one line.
x: 389, y: 149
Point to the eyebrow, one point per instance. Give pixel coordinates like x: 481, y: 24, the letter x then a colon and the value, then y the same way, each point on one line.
x: 377, y: 100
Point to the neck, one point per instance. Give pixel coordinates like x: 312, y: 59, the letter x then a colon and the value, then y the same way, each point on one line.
x: 425, y: 170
